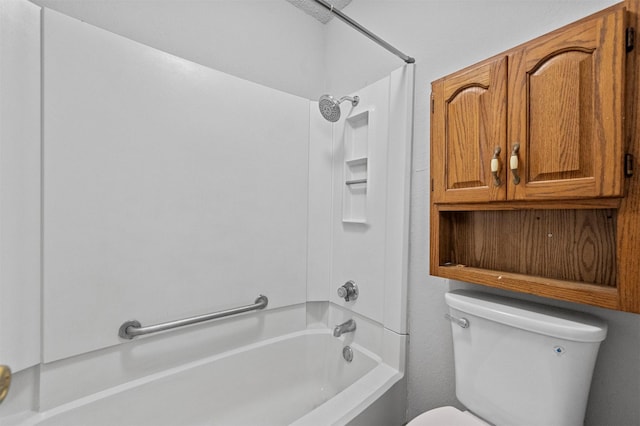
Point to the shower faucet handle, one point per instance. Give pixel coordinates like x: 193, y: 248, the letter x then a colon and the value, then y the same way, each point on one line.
x: 348, y: 291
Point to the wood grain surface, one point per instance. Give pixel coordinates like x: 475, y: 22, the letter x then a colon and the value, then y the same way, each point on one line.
x: 576, y: 235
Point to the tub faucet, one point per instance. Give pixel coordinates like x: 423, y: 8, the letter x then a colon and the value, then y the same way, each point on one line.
x: 345, y: 327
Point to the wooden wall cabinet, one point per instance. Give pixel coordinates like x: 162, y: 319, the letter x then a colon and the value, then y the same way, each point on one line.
x: 529, y: 190
x: 543, y: 121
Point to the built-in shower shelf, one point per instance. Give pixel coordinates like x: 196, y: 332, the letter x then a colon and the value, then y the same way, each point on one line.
x: 356, y: 171
x: 356, y: 168
x: 355, y: 190
x: 357, y: 161
x: 356, y: 181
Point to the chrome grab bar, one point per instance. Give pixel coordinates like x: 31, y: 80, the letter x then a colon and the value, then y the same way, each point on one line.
x: 133, y: 328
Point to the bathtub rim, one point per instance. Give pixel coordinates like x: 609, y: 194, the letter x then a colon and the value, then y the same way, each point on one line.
x: 382, y: 374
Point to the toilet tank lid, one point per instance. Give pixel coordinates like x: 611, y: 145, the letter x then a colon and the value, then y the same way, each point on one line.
x: 534, y: 317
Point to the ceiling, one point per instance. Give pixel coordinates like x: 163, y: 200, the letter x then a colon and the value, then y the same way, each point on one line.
x: 312, y: 8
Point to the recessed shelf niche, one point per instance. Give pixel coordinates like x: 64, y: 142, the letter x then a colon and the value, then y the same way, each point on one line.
x: 356, y: 168
x: 569, y: 245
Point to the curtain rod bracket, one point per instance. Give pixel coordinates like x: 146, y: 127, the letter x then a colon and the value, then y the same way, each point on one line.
x: 344, y: 18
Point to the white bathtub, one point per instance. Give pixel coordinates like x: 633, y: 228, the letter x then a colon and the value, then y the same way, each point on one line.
x: 297, y: 379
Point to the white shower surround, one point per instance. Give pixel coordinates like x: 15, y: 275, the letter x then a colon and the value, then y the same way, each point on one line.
x: 162, y: 188
x: 99, y: 89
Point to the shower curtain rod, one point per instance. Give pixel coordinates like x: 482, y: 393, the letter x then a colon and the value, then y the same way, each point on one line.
x: 366, y: 32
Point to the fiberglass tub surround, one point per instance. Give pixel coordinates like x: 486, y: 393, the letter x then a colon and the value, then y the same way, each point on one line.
x: 171, y: 190
x: 276, y: 382
x: 299, y: 378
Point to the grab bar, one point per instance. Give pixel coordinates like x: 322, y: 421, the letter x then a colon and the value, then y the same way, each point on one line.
x: 133, y: 328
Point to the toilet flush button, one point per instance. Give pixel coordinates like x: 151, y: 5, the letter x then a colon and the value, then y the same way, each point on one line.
x: 559, y: 350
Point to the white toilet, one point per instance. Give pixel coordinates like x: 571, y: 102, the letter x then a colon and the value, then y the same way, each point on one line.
x: 518, y: 363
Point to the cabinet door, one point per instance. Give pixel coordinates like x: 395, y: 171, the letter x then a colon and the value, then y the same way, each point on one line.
x: 566, y: 100
x: 468, y: 127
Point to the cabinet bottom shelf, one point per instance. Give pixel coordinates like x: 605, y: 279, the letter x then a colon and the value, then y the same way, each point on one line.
x: 592, y: 294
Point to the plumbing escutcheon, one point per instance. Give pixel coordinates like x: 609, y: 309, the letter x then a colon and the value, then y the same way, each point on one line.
x: 347, y: 353
x: 348, y: 291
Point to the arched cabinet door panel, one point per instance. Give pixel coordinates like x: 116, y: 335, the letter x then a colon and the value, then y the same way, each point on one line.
x: 566, y: 103
x: 468, y: 130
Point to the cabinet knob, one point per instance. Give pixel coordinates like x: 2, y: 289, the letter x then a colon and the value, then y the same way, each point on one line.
x: 5, y: 381
x: 513, y: 163
x: 495, y: 166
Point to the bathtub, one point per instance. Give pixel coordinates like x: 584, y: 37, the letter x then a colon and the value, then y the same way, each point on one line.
x: 299, y: 379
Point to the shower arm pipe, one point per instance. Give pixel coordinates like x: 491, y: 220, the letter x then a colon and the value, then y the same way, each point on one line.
x: 366, y: 32
x: 133, y: 328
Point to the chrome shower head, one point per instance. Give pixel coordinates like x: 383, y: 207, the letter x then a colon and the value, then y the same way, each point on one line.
x: 330, y: 107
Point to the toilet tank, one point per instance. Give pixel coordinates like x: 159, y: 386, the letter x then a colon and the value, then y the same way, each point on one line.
x: 521, y: 363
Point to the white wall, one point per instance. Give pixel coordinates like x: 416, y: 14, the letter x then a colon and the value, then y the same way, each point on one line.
x: 170, y: 189
x: 444, y: 36
x: 19, y: 184
x: 266, y: 41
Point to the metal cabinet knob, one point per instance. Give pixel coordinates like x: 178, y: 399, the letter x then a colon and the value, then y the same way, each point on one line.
x: 5, y: 381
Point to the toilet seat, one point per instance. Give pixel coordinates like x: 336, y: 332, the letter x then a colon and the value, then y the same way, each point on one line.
x: 447, y: 416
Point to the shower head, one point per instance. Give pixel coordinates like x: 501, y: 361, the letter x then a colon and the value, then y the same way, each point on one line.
x: 330, y: 107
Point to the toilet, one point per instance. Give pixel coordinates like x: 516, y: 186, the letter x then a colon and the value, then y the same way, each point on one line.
x: 518, y: 363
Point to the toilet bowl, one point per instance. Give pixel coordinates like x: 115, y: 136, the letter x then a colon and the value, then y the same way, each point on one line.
x: 508, y: 352
x: 447, y: 416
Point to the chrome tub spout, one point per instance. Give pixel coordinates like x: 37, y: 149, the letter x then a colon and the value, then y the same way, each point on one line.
x: 345, y: 327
